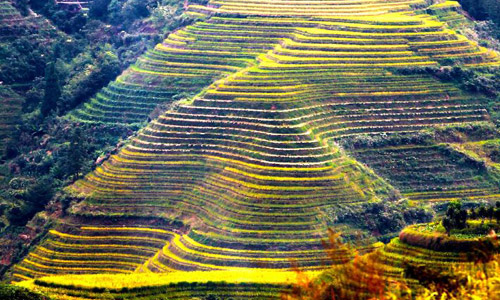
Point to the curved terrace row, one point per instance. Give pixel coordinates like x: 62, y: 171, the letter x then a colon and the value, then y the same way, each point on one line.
x: 248, y: 164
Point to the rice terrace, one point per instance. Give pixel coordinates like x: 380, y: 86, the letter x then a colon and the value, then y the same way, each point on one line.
x: 250, y: 149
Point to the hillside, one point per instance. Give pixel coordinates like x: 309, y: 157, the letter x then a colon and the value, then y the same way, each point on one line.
x: 420, y: 264
x: 9, y: 117
x: 263, y: 124
x: 53, y: 57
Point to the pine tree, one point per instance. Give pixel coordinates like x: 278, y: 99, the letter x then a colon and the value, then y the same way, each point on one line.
x: 456, y: 217
x: 52, y: 90
x: 482, y: 213
x: 77, y: 153
x: 473, y: 214
x: 490, y: 212
x: 447, y: 225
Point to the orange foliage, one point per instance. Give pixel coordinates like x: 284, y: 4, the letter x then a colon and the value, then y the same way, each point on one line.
x: 365, y: 278
x: 359, y: 278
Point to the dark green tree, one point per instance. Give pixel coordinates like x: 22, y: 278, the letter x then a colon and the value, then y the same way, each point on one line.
x: 108, y: 69
x: 22, y: 6
x: 497, y: 211
x: 99, y: 9
x: 456, y: 217
x: 482, y: 213
x: 447, y: 224
x: 115, y: 11
x: 461, y: 218
x: 77, y: 154
x: 17, y: 293
x: 52, y: 92
x: 34, y: 200
x: 490, y: 212
x: 473, y: 214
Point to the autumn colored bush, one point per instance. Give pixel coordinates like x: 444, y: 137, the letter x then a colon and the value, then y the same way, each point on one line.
x: 363, y: 277
x: 437, y: 242
x: 368, y: 277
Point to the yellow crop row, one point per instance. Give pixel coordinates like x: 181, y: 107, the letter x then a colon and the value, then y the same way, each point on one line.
x: 185, y: 249
x: 332, y: 33
x: 119, y: 281
x: 108, y: 237
x: 261, y: 240
x: 78, y: 254
x: 264, y: 252
x: 280, y: 178
x: 30, y: 271
x: 216, y: 158
x: 65, y: 261
x: 445, y: 4
x: 268, y: 63
x: 100, y: 246
x: 272, y: 187
x: 129, y: 229
x: 282, y: 59
x: 136, y: 69
x: 292, y: 43
x: 189, y: 65
x: 79, y: 269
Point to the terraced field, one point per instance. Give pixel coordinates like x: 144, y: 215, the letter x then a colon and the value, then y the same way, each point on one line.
x: 250, y: 164
x: 449, y: 12
x: 11, y: 104
x: 420, y: 249
x: 13, y: 25
x: 184, y: 63
x: 179, y: 285
x: 430, y: 172
x: 308, y: 8
x: 173, y: 291
x: 107, y: 250
x: 260, y: 49
x: 75, y: 4
x: 419, y: 246
x: 15, y: 28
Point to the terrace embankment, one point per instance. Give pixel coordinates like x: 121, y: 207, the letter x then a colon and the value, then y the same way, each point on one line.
x: 251, y: 164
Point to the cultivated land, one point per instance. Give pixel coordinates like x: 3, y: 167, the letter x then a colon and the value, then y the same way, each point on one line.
x: 240, y: 176
x: 13, y: 26
x: 9, y: 116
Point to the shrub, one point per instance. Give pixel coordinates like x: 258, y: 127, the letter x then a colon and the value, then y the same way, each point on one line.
x: 385, y: 218
x: 468, y: 79
x: 16, y: 293
x: 439, y: 242
x: 456, y: 217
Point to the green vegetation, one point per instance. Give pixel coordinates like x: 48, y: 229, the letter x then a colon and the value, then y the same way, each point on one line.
x: 457, y: 217
x: 52, y: 91
x: 53, y: 58
x: 233, y: 137
x: 257, y: 147
x: 484, y: 10
x: 421, y: 264
x: 409, y: 267
x: 16, y: 293
x: 482, y: 82
x: 429, y: 166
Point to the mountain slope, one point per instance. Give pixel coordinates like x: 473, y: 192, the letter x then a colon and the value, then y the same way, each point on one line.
x: 248, y: 167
